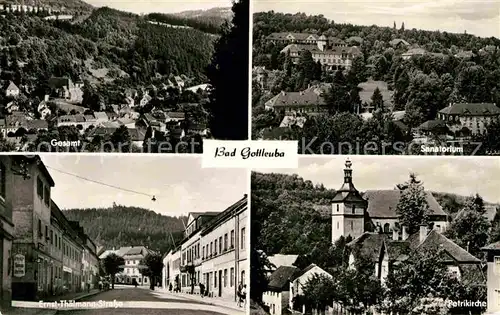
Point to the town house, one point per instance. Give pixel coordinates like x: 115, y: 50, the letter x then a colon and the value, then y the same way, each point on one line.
x: 214, y: 253
x: 277, y: 296
x: 309, y: 101
x: 12, y: 90
x: 299, y: 280
x: 472, y: 117
x: 64, y: 88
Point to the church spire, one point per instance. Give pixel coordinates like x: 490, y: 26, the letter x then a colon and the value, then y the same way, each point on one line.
x: 348, y: 172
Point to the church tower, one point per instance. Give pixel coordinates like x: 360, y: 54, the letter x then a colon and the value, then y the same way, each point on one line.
x: 348, y: 209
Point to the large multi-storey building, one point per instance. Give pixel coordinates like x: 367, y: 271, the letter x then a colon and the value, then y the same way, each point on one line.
x: 213, y: 253
x: 47, y: 248
x: 132, y: 255
x: 474, y: 117
x: 331, y: 52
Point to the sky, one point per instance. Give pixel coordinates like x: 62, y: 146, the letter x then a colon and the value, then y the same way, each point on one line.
x: 179, y: 184
x: 161, y: 6
x: 478, y: 17
x: 463, y: 176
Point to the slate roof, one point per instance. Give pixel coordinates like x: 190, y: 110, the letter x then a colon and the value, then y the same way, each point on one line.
x: 12, y: 86
x: 435, y: 241
x: 101, y: 115
x: 136, y: 250
x: 472, y: 109
x: 493, y: 246
x: 307, y: 97
x: 195, y: 215
x: 37, y: 124
x: 415, y: 51
x: 305, y: 270
x: 176, y: 115
x: 296, y: 36
x: 432, y: 125
x: 336, y: 50
x: 383, y: 203
x: 369, y: 244
x: 398, y: 41
x: 279, y: 260
x: 280, y: 279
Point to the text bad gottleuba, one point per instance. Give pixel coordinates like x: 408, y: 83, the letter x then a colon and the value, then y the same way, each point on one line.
x: 248, y: 152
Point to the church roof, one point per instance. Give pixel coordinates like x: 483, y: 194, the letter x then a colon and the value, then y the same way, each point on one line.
x: 383, y: 203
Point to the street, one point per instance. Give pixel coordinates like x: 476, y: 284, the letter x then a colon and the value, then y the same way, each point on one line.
x: 138, y: 301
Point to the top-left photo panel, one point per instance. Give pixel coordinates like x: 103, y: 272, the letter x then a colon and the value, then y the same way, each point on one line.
x: 122, y: 76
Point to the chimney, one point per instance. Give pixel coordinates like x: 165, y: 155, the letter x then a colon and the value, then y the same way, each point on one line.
x: 451, y: 104
x: 424, y: 230
x: 405, y: 233
x: 395, y: 234
x: 46, y: 98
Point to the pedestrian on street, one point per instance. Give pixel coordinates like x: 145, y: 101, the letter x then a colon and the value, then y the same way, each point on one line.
x: 244, y: 295
x: 202, y: 289
x: 240, y: 292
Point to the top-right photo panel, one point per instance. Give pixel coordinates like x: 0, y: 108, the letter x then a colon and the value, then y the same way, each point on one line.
x: 378, y: 77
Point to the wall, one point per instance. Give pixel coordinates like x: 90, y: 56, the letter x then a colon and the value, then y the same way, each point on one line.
x: 493, y: 283
x: 274, y: 301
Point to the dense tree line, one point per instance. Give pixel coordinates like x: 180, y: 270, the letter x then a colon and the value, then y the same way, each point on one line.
x: 129, y: 226
x: 207, y: 24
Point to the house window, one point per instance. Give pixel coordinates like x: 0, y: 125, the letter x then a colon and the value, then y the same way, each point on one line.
x: 243, y: 238
x: 387, y: 228
x: 225, y: 278
x: 39, y: 187
x: 352, y: 226
x: 47, y: 196
x: 338, y: 225
x: 231, y: 281
x: 225, y: 242
x: 215, y: 279
x: 353, y: 209
x: 220, y: 245
x: 46, y: 232
x: 338, y: 208
x: 497, y: 265
x: 198, y: 251
x: 40, y: 232
x: 211, y: 247
x: 203, y: 252
x: 243, y: 277
x: 215, y: 249
x: 2, y: 180
x: 51, y: 237
x: 232, y: 238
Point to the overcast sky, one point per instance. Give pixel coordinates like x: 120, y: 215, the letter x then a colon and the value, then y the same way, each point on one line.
x: 478, y: 17
x: 463, y: 176
x: 163, y: 6
x: 179, y: 183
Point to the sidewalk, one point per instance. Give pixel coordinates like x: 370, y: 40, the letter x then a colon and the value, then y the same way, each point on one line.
x: 216, y: 301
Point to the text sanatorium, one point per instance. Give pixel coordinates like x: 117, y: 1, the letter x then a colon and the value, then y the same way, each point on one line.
x: 248, y: 152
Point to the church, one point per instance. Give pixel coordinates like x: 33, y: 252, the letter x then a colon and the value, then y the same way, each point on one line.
x: 371, y: 220
x: 354, y: 213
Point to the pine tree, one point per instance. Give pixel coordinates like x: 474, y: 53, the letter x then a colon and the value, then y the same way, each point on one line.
x: 394, y: 27
x: 403, y: 27
x: 412, y: 208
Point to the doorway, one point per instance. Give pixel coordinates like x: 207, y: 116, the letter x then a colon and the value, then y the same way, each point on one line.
x: 220, y: 283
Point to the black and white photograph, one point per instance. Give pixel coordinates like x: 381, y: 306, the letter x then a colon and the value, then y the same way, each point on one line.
x: 121, y: 234
x: 376, y: 235
x: 378, y: 77
x: 122, y: 76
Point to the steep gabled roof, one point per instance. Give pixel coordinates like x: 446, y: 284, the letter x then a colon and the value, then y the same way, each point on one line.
x: 281, y: 278
x: 472, y: 109
x: 369, y: 244
x: 435, y: 241
x: 383, y: 203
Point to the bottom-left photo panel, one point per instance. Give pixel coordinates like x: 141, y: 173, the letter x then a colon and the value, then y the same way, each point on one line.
x: 122, y: 234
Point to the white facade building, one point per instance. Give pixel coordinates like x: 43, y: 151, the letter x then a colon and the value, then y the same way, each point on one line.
x: 214, y: 253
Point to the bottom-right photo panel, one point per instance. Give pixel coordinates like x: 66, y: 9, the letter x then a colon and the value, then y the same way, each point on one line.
x: 377, y: 235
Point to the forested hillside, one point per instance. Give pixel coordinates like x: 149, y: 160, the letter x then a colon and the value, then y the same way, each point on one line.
x: 125, y: 44
x: 129, y: 226
x: 208, y: 21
